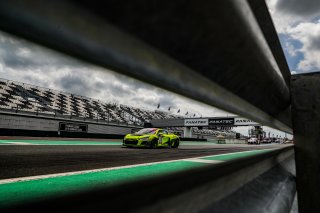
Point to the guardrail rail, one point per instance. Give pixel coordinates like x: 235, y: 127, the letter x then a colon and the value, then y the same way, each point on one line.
x: 224, y: 53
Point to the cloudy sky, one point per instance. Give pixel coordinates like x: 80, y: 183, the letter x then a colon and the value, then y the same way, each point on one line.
x: 298, y: 26
x: 297, y: 23
x: 29, y: 63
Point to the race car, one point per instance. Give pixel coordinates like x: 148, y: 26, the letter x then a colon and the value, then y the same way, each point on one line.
x: 253, y: 141
x: 151, y: 138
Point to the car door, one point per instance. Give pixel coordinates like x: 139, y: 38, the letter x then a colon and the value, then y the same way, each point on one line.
x: 163, y: 137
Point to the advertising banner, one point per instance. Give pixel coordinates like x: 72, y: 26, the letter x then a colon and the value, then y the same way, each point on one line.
x: 244, y: 122
x: 196, y: 122
x: 221, y: 121
x: 73, y: 127
x: 235, y: 121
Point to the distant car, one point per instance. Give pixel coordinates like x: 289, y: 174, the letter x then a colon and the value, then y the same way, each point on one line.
x: 253, y: 141
x: 266, y: 140
x: 151, y: 138
x: 277, y: 141
x: 289, y: 141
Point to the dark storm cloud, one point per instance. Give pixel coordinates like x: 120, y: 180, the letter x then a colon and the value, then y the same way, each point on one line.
x: 119, y: 90
x: 100, y: 85
x: 21, y: 55
x: 17, y: 53
x: 167, y: 100
x: 80, y: 83
x: 303, y: 8
x: 315, y: 43
x: 39, y: 66
x: 135, y: 84
x: 75, y: 84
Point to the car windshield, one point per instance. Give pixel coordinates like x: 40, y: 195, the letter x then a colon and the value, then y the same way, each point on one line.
x: 145, y: 131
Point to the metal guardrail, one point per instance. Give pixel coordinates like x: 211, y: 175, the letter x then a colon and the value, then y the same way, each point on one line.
x: 224, y: 53
x: 214, y: 52
x: 306, y: 116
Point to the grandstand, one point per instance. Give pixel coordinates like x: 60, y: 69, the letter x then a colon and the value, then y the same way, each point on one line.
x: 22, y: 98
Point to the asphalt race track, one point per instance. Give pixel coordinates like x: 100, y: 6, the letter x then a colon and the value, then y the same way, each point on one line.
x: 29, y: 160
x: 36, y: 169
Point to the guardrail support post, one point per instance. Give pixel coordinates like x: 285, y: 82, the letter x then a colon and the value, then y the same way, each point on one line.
x: 306, y: 128
x: 187, y: 132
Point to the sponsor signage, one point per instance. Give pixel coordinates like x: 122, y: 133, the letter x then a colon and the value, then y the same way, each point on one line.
x: 237, y: 121
x: 196, y: 122
x: 73, y: 127
x: 221, y: 121
x: 244, y: 122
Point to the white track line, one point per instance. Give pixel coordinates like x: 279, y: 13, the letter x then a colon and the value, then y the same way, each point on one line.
x: 20, y: 179
x: 198, y: 160
x: 17, y: 143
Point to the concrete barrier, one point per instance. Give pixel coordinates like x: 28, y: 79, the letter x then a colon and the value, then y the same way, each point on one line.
x: 227, y: 141
x: 235, y: 141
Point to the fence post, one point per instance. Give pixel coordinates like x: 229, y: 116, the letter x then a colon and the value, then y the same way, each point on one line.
x: 306, y: 125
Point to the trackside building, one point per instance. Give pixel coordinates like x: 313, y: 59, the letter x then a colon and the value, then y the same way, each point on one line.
x: 188, y: 123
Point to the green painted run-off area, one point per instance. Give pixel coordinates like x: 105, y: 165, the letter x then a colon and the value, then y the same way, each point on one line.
x: 28, y: 190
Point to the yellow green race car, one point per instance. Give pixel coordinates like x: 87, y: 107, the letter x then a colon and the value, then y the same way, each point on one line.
x: 151, y: 138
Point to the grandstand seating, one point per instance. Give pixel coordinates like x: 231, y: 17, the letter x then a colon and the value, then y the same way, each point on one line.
x: 21, y: 97
x: 28, y: 98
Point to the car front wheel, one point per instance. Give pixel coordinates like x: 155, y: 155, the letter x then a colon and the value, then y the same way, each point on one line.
x: 153, y: 144
x: 175, y: 144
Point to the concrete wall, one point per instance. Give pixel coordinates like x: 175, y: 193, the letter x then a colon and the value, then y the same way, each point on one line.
x: 16, y: 121
x: 167, y: 122
x: 232, y: 141
x: 28, y: 123
x: 104, y: 129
